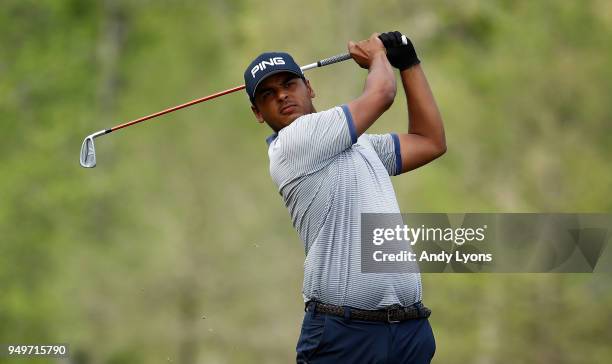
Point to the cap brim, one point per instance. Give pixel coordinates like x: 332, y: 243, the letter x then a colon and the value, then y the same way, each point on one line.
x: 273, y: 73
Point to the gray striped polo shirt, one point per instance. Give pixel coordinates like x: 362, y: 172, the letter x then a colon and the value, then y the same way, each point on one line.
x: 327, y: 178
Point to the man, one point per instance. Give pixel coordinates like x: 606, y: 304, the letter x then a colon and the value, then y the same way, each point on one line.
x: 328, y: 172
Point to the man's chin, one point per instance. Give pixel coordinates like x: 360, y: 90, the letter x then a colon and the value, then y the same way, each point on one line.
x: 293, y: 117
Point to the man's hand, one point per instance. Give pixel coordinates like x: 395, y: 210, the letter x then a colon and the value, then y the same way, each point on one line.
x: 365, y: 51
x: 401, y: 56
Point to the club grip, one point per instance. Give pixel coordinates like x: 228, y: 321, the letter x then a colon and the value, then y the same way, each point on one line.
x: 334, y: 59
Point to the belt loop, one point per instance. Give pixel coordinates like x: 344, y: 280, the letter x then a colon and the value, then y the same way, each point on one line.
x: 310, y: 303
x: 419, y: 307
x: 347, y: 313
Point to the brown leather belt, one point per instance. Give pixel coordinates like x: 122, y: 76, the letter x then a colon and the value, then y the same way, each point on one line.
x: 392, y: 314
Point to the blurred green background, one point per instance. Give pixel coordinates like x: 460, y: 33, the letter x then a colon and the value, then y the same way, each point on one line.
x: 177, y: 248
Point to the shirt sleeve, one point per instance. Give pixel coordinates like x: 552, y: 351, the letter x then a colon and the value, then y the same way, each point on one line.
x: 312, y: 140
x: 387, y: 146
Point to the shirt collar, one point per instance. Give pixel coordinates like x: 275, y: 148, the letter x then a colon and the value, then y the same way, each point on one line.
x: 271, y: 138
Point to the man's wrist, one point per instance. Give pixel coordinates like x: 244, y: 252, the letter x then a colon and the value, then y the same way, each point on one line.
x: 380, y: 56
x: 410, y: 68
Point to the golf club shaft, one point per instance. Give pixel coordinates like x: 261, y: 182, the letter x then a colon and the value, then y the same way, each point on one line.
x: 321, y: 63
x: 159, y: 113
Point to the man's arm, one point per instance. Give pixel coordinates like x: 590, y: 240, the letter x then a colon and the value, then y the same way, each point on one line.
x: 380, y: 87
x: 425, y: 140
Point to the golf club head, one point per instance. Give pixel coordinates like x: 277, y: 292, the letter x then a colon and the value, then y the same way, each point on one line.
x: 88, y: 150
x: 88, y: 153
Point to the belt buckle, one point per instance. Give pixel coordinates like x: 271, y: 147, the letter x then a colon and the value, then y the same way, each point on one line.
x: 389, y: 316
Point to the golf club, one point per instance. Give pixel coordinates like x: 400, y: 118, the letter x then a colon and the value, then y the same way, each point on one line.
x: 88, y: 149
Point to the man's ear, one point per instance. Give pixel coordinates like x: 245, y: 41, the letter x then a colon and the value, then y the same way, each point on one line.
x: 311, y: 92
x: 257, y: 114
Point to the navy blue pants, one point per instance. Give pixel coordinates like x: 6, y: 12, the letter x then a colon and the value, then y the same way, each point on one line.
x: 333, y: 339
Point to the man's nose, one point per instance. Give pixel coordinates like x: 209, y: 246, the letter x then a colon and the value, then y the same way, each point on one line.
x: 282, y: 94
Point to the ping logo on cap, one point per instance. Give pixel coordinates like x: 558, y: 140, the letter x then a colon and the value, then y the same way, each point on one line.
x: 263, y: 64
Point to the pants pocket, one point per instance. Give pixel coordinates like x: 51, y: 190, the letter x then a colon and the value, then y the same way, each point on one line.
x: 311, y: 336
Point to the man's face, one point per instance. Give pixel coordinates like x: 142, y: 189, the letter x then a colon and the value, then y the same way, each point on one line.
x: 282, y: 98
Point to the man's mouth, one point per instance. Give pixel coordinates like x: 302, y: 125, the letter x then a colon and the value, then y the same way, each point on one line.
x: 287, y: 109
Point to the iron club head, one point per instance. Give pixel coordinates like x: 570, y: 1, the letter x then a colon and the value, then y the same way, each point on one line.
x: 88, y: 150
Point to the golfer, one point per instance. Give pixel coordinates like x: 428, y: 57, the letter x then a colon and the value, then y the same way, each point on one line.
x: 329, y: 171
